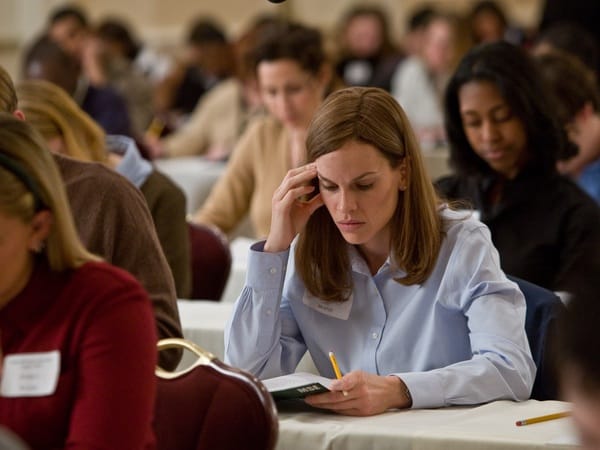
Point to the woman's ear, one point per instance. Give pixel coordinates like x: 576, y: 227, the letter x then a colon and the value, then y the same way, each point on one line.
x: 403, y: 174
x: 41, y: 225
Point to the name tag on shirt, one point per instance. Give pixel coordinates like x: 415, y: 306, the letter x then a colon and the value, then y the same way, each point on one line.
x: 339, y: 310
x: 30, y: 374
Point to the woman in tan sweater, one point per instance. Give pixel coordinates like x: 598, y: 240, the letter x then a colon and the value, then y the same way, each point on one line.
x: 293, y: 76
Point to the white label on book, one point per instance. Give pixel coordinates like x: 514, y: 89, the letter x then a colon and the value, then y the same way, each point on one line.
x: 339, y: 310
x: 30, y: 374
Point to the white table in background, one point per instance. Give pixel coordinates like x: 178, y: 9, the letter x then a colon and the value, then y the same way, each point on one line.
x: 194, y: 175
x: 486, y: 427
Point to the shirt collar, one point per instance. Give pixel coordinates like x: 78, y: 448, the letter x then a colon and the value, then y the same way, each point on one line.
x: 132, y: 166
x: 359, y: 265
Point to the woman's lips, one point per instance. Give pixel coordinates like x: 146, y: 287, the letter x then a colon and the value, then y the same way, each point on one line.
x: 350, y: 225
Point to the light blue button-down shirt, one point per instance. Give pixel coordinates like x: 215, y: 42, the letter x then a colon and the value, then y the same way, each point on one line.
x: 457, y: 339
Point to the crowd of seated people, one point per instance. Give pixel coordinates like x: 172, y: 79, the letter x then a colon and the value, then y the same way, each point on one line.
x: 322, y: 138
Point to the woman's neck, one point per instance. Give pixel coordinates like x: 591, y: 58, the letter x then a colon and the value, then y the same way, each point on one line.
x: 19, y: 284
x: 297, y: 147
x: 376, y: 252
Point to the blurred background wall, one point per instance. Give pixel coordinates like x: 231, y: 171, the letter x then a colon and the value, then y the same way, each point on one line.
x: 163, y: 23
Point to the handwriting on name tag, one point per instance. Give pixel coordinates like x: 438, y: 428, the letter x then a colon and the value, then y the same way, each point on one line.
x: 30, y: 374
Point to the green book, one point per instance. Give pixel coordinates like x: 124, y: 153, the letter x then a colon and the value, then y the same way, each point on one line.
x: 296, y: 385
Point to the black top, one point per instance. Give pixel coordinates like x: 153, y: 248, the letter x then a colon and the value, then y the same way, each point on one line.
x: 546, y: 229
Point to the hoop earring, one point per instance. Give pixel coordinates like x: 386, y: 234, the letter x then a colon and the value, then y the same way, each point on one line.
x: 40, y: 247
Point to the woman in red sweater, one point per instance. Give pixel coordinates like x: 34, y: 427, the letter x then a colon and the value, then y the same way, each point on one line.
x: 77, y: 335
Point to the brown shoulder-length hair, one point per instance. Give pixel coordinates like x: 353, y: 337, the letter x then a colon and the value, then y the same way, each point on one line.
x: 372, y: 116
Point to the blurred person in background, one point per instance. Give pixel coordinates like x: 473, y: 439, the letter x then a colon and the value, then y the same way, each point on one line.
x: 367, y: 54
x: 577, y: 104
x: 293, y: 76
x: 489, y: 23
x: 504, y: 140
x: 47, y: 60
x: 571, y: 38
x: 114, y: 51
x: 68, y: 130
x: 223, y: 114
x: 412, y: 40
x: 207, y: 59
x: 419, y: 81
x: 69, y: 27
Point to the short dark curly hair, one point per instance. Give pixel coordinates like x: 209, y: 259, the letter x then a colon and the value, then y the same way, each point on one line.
x: 288, y: 40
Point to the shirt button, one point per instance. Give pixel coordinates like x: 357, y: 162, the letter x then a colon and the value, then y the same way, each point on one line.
x: 272, y: 270
x: 269, y: 311
x: 374, y: 335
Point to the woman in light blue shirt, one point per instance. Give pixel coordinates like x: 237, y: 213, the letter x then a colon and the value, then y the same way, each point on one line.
x: 407, y: 293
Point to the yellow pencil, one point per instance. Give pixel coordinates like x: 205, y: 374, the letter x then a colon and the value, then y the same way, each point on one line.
x: 155, y: 128
x: 545, y: 418
x: 336, y: 368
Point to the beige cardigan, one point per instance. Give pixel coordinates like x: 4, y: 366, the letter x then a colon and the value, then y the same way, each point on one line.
x: 257, y: 165
x: 218, y: 119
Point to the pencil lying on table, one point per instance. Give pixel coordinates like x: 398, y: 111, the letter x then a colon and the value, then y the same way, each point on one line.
x: 545, y: 418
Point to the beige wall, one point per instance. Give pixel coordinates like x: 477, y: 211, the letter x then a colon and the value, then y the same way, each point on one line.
x: 163, y: 23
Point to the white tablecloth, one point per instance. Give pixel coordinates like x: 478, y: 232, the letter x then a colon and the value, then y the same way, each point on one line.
x: 195, y: 175
x: 485, y: 427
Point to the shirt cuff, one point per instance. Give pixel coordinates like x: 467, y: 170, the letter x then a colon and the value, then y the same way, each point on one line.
x: 425, y: 388
x: 266, y: 271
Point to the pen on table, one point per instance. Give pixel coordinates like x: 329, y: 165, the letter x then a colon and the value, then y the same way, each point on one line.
x: 545, y: 418
x: 336, y: 369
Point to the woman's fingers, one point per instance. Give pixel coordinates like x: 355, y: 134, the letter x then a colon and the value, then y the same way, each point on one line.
x: 294, y: 178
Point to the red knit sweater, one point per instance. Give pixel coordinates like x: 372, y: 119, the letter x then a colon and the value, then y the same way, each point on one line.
x: 100, y: 320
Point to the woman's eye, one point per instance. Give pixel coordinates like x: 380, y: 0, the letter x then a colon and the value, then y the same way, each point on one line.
x: 503, y: 116
x: 329, y: 187
x: 364, y: 187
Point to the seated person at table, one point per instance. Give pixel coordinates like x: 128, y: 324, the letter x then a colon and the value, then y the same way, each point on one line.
x: 293, y: 76
x: 46, y: 60
x: 504, y: 141
x: 577, y: 102
x: 113, y: 221
x: 70, y: 131
x: 80, y: 330
x: 578, y: 341
x: 407, y: 293
x: 222, y: 114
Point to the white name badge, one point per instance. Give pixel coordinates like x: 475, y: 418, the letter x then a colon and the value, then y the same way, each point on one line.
x: 30, y: 374
x: 339, y: 310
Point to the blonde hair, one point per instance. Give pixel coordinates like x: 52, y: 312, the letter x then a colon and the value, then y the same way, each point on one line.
x: 26, y: 150
x: 8, y: 97
x: 372, y: 116
x: 51, y: 111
